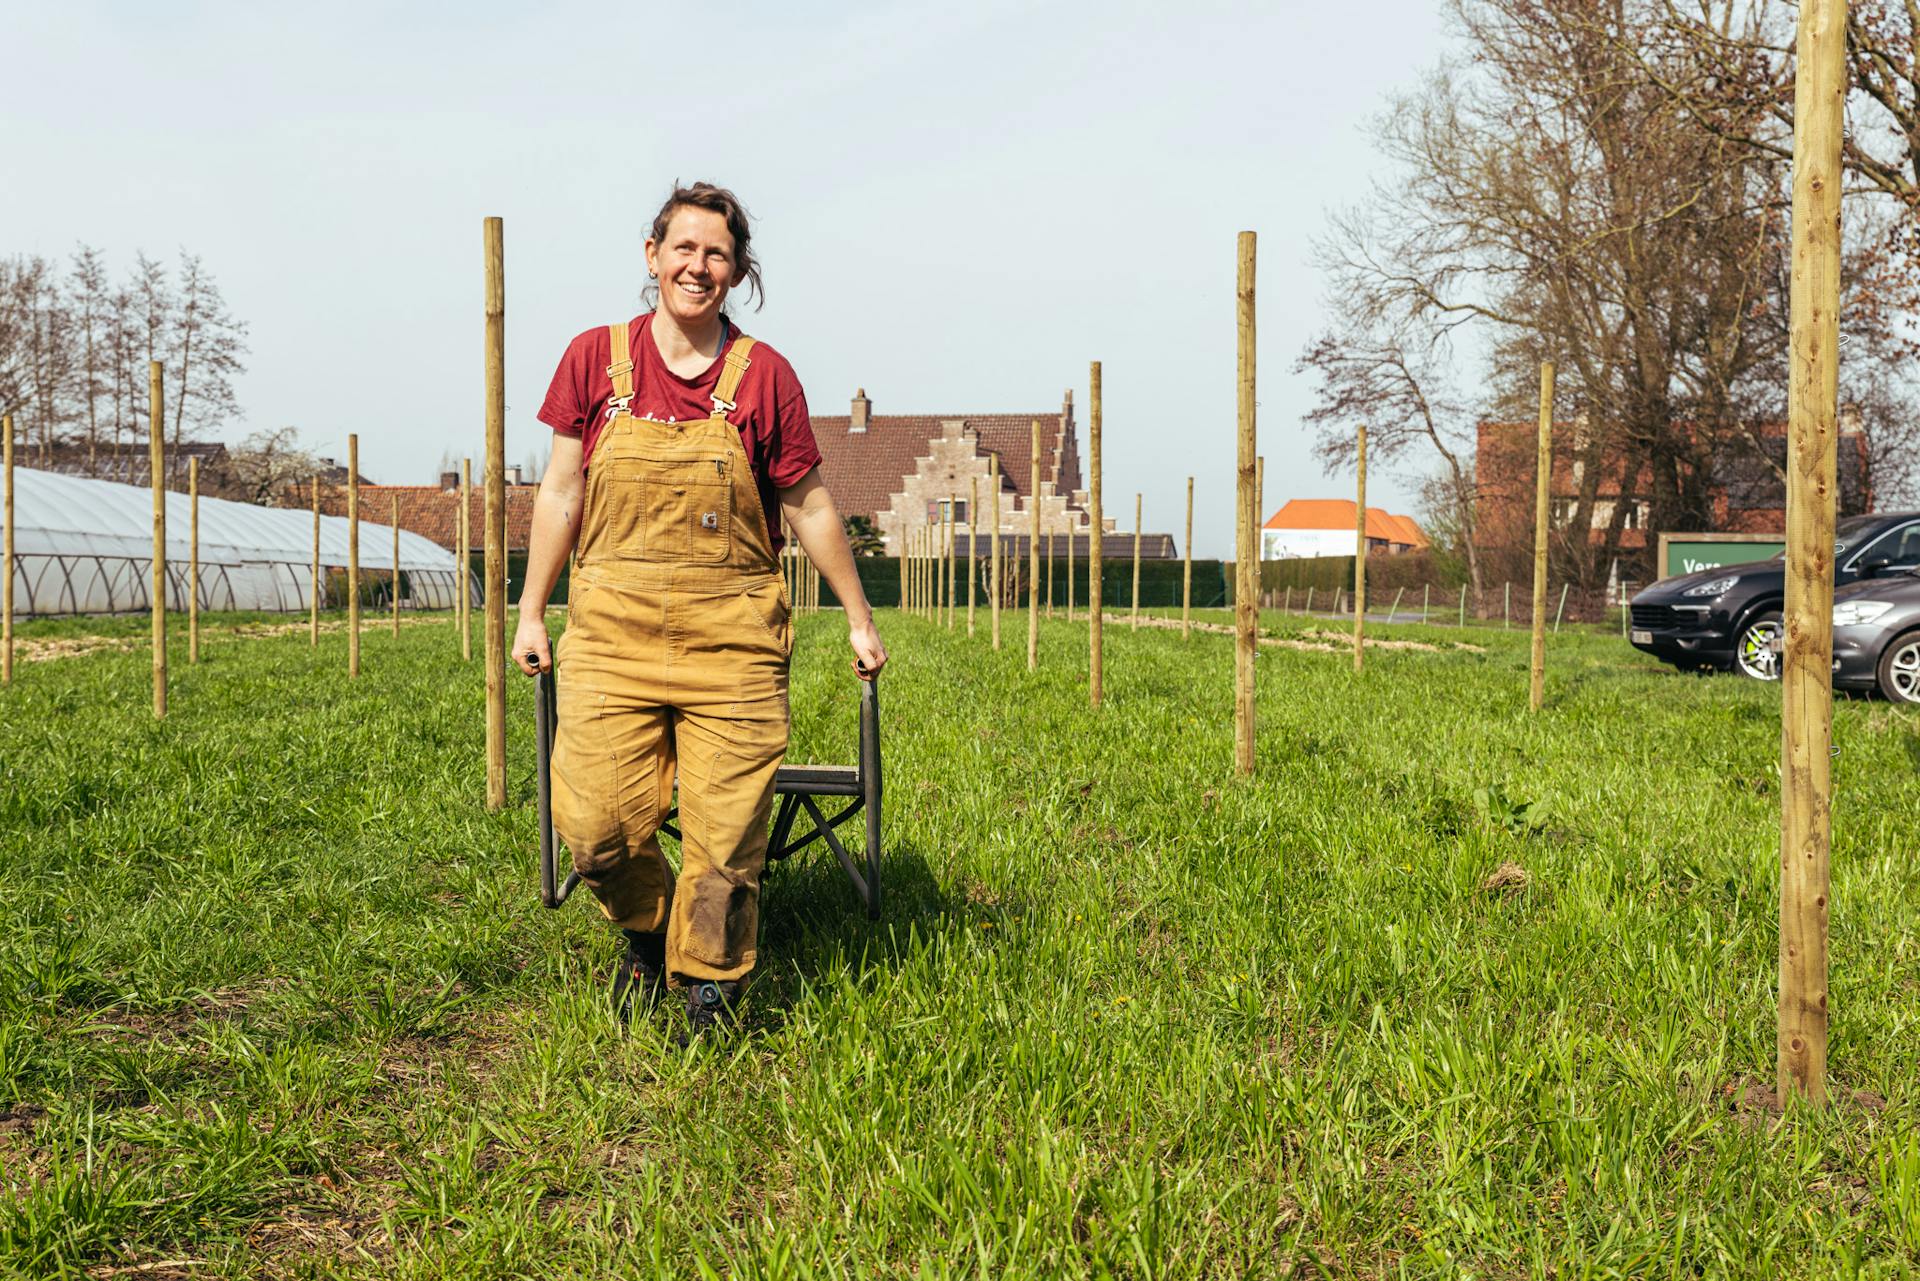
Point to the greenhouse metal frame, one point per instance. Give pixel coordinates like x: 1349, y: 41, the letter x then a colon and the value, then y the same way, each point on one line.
x: 84, y: 546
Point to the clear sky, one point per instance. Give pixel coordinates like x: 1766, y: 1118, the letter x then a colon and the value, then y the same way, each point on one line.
x: 958, y: 205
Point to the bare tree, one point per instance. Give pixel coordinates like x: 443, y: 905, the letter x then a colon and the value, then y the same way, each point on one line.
x: 1379, y: 367
x: 262, y: 468
x: 208, y: 344
x: 1553, y: 201
x: 93, y: 307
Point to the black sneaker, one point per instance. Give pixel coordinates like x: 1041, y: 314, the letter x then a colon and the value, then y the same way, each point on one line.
x: 640, y: 977
x: 710, y: 1006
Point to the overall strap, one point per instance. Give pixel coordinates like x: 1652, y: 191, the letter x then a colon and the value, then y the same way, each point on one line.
x: 736, y: 368
x: 620, y: 349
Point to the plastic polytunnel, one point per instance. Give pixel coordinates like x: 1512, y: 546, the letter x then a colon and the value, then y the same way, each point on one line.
x: 85, y: 546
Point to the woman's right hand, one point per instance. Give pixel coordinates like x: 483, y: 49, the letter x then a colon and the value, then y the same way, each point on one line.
x: 532, y: 652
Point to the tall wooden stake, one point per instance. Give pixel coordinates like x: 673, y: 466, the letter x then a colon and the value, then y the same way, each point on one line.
x: 948, y: 553
x: 1135, y: 624
x: 157, y: 462
x: 973, y: 541
x: 993, y: 571
x: 396, y: 563
x: 6, y: 554
x: 1246, y: 569
x: 1259, y: 524
x: 313, y: 603
x: 1033, y: 556
x: 1360, y: 553
x: 1806, y: 688
x: 1070, y: 560
x: 1542, y: 488
x: 353, y: 555
x: 463, y: 596
x: 495, y: 470
x: 1186, y: 573
x: 1051, y: 556
x: 1096, y: 534
x: 193, y: 558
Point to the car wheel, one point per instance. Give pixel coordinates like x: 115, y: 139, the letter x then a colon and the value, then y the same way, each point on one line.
x: 1899, y: 669
x: 1754, y: 652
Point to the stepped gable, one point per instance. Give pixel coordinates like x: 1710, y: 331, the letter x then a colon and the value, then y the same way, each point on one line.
x: 865, y: 469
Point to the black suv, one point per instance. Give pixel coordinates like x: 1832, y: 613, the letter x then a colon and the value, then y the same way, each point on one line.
x: 1730, y: 616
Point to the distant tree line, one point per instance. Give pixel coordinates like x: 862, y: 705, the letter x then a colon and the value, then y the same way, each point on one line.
x: 75, y: 342
x: 1607, y: 186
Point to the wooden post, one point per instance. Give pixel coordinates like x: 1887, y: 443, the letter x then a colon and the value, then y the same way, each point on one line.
x: 993, y: 571
x: 1395, y: 607
x: 900, y: 551
x: 1806, y: 688
x: 6, y: 553
x: 1286, y: 605
x: 1186, y: 573
x: 353, y: 555
x: 313, y: 605
x: 1426, y: 602
x: 1562, y: 611
x: 396, y: 563
x: 1308, y: 608
x: 1463, y: 604
x: 466, y: 559
x: 1246, y: 570
x: 157, y: 462
x: 951, y: 587
x: 1070, y: 560
x: 973, y: 541
x: 1507, y: 607
x: 1049, y: 591
x: 1360, y: 553
x: 1542, y: 489
x: 1135, y: 623
x: 1096, y: 535
x: 493, y: 251
x: 193, y: 558
x: 1033, y: 556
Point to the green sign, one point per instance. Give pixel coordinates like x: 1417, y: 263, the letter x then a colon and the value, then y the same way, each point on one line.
x: 1686, y: 557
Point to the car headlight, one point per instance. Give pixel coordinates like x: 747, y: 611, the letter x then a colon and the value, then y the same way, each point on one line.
x: 1852, y: 613
x: 1714, y: 588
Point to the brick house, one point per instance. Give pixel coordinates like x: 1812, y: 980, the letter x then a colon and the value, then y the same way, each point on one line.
x: 900, y: 471
x: 1744, y: 493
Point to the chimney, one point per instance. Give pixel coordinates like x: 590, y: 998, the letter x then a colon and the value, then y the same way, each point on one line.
x: 862, y: 410
x: 513, y: 474
x: 449, y: 480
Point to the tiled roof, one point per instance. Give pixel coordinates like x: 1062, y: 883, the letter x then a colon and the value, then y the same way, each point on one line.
x: 1338, y: 513
x: 428, y: 510
x: 863, y: 470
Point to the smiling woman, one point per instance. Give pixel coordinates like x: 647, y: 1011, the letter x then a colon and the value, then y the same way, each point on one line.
x: 674, y: 437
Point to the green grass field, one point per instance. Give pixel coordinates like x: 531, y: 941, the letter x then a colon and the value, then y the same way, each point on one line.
x: 277, y: 997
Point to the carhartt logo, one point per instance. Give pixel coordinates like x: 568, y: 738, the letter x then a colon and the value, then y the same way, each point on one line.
x: 710, y: 520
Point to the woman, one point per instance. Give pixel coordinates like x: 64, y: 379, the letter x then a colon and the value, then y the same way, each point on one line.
x: 674, y: 436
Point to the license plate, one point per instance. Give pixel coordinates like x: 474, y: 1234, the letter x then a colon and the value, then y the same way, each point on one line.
x: 1643, y: 638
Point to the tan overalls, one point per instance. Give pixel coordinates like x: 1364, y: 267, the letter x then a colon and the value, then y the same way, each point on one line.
x: 675, y: 656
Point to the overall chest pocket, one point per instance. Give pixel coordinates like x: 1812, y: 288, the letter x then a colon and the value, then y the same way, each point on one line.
x: 681, y: 509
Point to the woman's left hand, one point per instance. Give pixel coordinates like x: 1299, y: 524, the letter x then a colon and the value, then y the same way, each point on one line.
x: 869, y: 654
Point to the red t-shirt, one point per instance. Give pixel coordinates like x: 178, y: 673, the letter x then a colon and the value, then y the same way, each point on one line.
x: 770, y: 409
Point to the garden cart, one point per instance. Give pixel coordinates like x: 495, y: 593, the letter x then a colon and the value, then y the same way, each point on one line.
x: 801, y: 789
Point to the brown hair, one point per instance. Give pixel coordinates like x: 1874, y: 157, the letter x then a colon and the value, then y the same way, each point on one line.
x: 704, y: 195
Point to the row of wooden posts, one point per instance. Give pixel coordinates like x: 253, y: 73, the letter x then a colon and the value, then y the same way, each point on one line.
x: 494, y: 534
x: 1806, y: 689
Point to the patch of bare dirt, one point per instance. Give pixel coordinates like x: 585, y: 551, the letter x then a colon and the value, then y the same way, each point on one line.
x: 40, y: 651
x: 1507, y: 876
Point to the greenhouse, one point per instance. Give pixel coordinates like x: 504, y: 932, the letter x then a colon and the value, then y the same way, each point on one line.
x: 85, y: 546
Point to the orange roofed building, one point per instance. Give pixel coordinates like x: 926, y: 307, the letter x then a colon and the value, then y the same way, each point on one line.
x: 1326, y: 527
